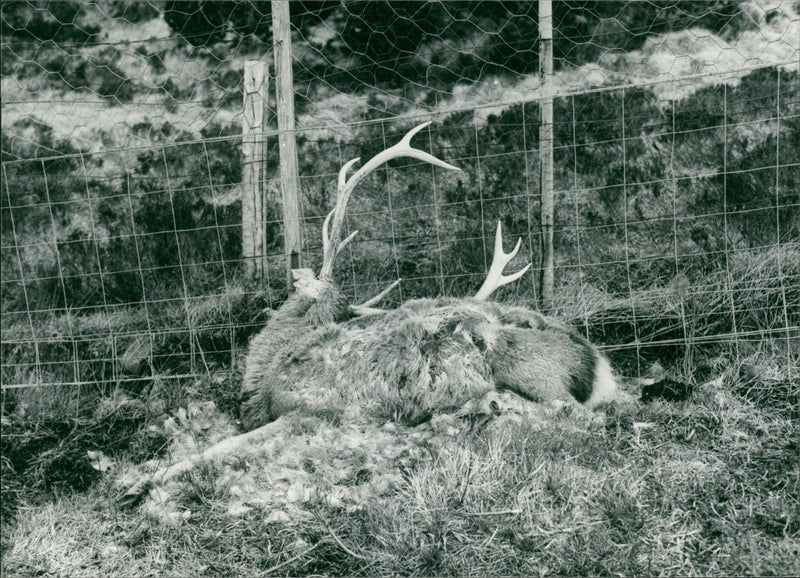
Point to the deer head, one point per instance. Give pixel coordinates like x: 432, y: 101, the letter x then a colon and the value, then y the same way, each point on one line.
x: 314, y: 287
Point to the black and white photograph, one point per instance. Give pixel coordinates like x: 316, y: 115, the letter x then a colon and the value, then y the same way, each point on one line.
x: 399, y: 288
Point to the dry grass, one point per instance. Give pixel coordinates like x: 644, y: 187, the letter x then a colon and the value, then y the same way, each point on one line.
x: 132, y: 343
x: 752, y: 302
x: 707, y: 486
x: 756, y: 292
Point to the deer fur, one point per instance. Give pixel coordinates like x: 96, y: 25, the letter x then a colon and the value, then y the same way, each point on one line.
x: 427, y: 356
x: 426, y: 364
x: 318, y: 355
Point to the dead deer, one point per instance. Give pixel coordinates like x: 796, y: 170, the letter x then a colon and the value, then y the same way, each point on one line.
x: 318, y: 353
x: 322, y: 359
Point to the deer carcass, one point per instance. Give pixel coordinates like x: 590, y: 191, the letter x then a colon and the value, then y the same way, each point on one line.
x: 385, y: 372
x: 320, y: 354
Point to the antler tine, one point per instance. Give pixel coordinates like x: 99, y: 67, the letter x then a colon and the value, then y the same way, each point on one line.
x: 346, y: 186
x: 349, y: 238
x: 495, y: 277
x: 343, y: 172
x: 326, y: 240
x: 366, y: 308
x: 373, y: 300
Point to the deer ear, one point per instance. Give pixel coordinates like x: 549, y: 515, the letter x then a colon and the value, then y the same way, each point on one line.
x: 303, y: 274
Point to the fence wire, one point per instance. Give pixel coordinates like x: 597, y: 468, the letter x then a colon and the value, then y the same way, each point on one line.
x: 677, y: 209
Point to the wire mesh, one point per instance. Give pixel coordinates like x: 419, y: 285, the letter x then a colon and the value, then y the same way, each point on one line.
x: 677, y: 209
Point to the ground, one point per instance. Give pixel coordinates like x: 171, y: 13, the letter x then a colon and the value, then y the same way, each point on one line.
x: 707, y: 485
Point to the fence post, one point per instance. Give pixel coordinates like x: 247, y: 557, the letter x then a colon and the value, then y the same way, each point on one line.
x: 256, y: 85
x: 546, y: 150
x: 281, y: 37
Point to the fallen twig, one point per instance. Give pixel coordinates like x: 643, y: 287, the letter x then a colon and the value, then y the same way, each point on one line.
x: 495, y: 513
x: 341, y: 544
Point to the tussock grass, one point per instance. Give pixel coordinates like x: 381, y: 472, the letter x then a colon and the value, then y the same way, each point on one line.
x: 752, y: 300
x: 176, y: 336
x: 757, y: 292
x: 48, y: 432
x: 706, y: 486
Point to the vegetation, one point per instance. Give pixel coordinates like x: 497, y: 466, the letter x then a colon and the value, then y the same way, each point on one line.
x: 391, y: 44
x: 649, y: 212
x: 697, y: 487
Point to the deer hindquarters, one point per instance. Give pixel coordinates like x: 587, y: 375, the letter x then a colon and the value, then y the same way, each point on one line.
x: 551, y: 364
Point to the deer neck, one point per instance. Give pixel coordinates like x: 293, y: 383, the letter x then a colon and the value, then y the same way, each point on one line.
x: 330, y: 306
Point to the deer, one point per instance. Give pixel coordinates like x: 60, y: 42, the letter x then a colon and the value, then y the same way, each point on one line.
x: 321, y: 356
x: 319, y: 353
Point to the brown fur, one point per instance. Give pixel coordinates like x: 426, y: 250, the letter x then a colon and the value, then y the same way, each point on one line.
x: 425, y: 357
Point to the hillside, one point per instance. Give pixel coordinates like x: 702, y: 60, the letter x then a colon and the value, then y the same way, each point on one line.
x: 117, y: 75
x: 648, y: 189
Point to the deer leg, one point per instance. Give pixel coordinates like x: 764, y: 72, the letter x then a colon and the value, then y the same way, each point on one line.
x: 237, y: 446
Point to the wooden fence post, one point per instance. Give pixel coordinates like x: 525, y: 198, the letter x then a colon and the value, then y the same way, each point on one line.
x: 256, y: 85
x: 282, y: 39
x: 546, y: 151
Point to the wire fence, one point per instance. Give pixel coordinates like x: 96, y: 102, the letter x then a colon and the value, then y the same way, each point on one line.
x: 138, y: 72
x: 676, y: 131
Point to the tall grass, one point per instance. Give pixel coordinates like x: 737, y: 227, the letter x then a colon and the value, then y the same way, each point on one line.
x: 754, y: 295
x: 699, y: 487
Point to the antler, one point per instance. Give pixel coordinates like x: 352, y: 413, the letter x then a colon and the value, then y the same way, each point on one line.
x: 366, y: 308
x: 331, y: 246
x: 495, y: 277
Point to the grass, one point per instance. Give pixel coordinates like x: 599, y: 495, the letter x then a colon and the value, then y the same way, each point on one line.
x: 47, y: 433
x: 705, y: 486
x: 132, y: 343
x: 751, y: 300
